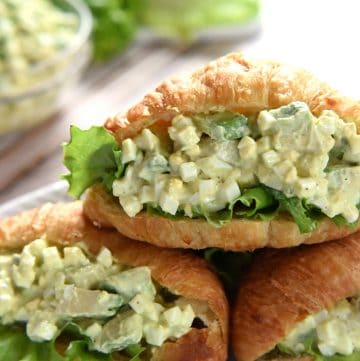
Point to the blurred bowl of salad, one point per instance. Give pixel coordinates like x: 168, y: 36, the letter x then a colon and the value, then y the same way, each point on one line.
x: 117, y: 22
x: 44, y: 47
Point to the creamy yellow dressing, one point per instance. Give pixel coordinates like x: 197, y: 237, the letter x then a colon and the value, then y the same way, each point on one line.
x: 45, y: 287
x: 337, y: 331
x: 212, y: 161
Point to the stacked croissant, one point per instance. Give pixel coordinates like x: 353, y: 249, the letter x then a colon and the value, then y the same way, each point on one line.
x: 239, y: 157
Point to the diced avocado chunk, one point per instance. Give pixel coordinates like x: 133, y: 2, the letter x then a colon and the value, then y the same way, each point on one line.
x: 156, y: 163
x: 223, y: 126
x: 78, y: 302
x: 132, y: 282
x: 339, y: 149
x: 285, y: 118
x: 343, y: 188
x: 122, y: 331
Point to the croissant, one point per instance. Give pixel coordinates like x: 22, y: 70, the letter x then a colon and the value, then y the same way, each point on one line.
x: 219, y: 96
x: 182, y: 273
x: 284, y: 287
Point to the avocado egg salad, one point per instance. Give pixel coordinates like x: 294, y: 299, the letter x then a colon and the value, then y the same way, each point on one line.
x: 31, y: 32
x: 107, y: 310
x: 334, y: 332
x: 227, y: 165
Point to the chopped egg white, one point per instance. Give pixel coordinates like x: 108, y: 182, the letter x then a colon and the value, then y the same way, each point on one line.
x: 337, y: 330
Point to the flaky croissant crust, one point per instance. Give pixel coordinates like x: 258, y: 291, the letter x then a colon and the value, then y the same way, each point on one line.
x: 236, y: 83
x: 180, y: 271
x: 283, y: 287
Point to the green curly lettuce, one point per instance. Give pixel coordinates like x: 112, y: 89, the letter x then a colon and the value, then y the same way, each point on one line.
x: 299, y: 210
x: 258, y: 202
x: 115, y: 25
x: 91, y: 156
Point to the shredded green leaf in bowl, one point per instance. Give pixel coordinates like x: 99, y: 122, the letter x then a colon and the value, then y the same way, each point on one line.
x: 115, y: 25
x: 183, y: 18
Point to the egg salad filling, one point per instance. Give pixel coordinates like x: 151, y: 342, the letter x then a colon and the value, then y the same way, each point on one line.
x: 225, y: 165
x: 31, y: 32
x: 332, y: 332
x: 214, y: 159
x: 48, y: 291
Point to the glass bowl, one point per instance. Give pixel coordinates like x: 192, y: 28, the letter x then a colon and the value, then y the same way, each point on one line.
x: 50, y: 79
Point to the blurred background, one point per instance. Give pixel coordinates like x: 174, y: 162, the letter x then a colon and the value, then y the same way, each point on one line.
x: 68, y: 62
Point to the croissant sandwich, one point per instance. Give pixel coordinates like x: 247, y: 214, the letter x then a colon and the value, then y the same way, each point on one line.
x: 239, y: 155
x: 69, y: 291
x: 300, y: 304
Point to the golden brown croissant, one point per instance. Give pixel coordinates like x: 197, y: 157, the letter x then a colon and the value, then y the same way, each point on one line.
x: 181, y: 272
x: 283, y: 287
x: 236, y: 84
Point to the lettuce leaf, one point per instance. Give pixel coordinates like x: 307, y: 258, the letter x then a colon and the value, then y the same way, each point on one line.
x: 91, y: 156
x: 79, y: 351
x: 216, y: 219
x: 258, y: 201
x: 16, y: 346
x: 298, y: 209
x: 134, y: 351
x: 254, y: 202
